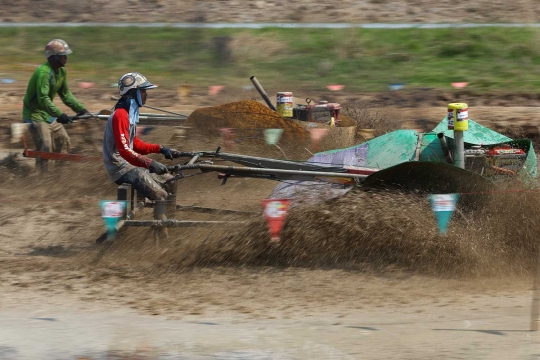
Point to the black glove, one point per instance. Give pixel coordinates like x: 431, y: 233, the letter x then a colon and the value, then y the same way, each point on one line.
x: 83, y: 112
x: 63, y: 119
x: 166, y: 152
x: 158, y: 168
x: 169, y: 153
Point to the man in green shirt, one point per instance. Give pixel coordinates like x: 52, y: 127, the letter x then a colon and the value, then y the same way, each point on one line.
x: 38, y: 109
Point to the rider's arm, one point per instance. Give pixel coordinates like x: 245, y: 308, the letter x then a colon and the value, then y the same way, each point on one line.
x: 145, y: 148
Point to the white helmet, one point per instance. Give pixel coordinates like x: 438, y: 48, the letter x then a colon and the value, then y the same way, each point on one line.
x: 133, y: 80
x: 57, y: 47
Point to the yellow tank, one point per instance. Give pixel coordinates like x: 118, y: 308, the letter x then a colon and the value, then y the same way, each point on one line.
x: 458, y: 117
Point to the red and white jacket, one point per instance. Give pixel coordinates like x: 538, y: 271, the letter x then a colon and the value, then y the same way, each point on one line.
x: 122, y: 149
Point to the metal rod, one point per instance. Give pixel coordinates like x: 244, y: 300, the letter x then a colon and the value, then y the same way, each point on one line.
x: 177, y: 223
x: 262, y: 92
x: 251, y: 170
x: 200, y: 209
x: 445, y: 149
x: 459, y: 149
x: 268, y: 163
x: 194, y: 159
x: 132, y: 203
x: 135, y: 210
x: 155, y: 108
x: 165, y: 111
x: 160, y: 115
x: 141, y: 117
x: 418, y: 147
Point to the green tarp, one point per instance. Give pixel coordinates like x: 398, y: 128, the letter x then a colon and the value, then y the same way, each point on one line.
x: 477, y: 134
x: 379, y: 153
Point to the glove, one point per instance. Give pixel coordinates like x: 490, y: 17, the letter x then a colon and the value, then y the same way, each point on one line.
x: 169, y: 153
x: 166, y: 152
x: 83, y: 112
x: 63, y: 119
x: 158, y: 168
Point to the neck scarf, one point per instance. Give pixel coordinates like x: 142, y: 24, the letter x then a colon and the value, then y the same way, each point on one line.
x: 132, y: 106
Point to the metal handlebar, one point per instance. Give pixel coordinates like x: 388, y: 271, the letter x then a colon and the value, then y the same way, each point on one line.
x: 178, y: 168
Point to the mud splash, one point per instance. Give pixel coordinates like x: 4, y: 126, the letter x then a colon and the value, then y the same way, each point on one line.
x: 367, y: 231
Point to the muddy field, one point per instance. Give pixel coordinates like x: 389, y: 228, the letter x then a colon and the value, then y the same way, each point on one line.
x: 351, y: 278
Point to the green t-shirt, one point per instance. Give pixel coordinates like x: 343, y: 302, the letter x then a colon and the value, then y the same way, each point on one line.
x: 42, y: 88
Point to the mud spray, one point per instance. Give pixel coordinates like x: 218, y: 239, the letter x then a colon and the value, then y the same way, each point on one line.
x: 366, y: 231
x: 363, y: 231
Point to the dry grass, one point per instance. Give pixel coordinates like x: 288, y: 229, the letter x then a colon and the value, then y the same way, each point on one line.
x: 248, y: 47
x: 367, y: 117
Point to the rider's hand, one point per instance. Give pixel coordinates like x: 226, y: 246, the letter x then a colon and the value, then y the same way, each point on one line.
x: 83, y: 112
x: 166, y: 152
x: 169, y: 153
x: 158, y: 168
x: 63, y: 119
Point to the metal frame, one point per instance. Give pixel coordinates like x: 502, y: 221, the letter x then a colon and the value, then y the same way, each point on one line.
x: 38, y: 155
x: 271, y: 169
x: 138, y: 203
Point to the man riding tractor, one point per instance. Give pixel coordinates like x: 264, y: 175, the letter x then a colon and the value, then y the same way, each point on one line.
x: 46, y: 119
x: 124, y: 153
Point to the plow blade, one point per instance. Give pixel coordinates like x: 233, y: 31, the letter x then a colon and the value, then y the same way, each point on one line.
x: 429, y: 177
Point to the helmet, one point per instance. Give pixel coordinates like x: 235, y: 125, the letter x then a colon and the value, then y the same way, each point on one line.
x: 133, y: 80
x: 57, y: 47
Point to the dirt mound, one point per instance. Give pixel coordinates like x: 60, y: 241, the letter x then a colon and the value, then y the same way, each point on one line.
x: 246, y: 114
x: 246, y: 121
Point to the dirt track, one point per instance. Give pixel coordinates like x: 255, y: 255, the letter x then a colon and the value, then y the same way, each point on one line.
x: 224, y: 293
x: 287, y: 309
x: 279, y: 11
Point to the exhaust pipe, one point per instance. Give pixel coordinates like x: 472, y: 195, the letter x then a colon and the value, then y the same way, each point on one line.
x: 262, y: 92
x: 445, y: 149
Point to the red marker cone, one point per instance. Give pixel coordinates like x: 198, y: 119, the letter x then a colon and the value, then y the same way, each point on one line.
x: 215, y: 89
x: 275, y: 212
x: 316, y: 136
x: 335, y: 87
x: 227, y: 135
x: 86, y: 84
x: 459, y: 85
